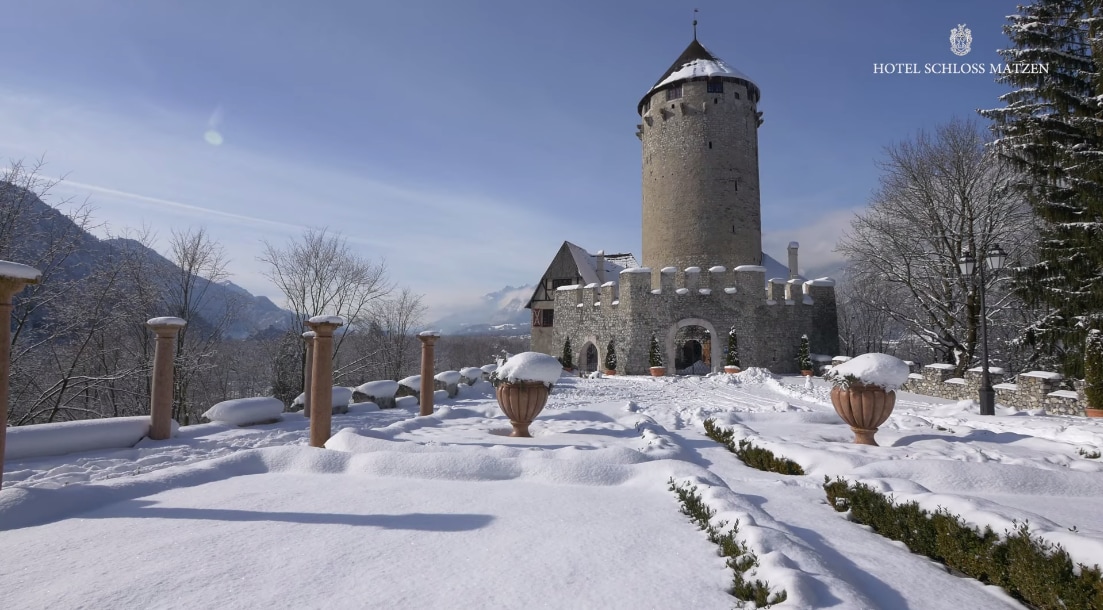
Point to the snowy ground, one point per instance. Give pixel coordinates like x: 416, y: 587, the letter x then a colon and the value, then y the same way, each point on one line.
x: 447, y: 511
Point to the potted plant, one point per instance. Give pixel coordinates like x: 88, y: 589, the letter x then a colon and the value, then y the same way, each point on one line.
x: 1093, y: 373
x: 610, y: 359
x: 804, y: 357
x: 567, y: 360
x: 865, y: 392
x: 731, y: 359
x: 655, y: 358
x: 522, y: 385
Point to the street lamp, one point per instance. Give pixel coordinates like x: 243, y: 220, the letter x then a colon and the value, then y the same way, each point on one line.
x: 996, y: 258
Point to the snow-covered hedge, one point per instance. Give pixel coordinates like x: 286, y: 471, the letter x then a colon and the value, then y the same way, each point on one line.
x: 39, y: 440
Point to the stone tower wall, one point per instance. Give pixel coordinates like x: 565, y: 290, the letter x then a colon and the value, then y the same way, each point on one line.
x: 769, y: 318
x: 700, y: 178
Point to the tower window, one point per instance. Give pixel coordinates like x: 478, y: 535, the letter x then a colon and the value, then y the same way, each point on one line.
x: 715, y: 85
x: 674, y: 92
x: 736, y: 95
x: 543, y: 317
x: 710, y: 145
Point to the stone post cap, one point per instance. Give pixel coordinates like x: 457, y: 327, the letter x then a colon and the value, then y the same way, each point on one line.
x: 19, y: 271
x: 428, y: 336
x: 309, y: 334
x: 166, y: 322
x: 331, y: 320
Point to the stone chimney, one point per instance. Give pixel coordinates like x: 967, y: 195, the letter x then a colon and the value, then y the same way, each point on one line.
x: 600, y: 267
x: 793, y: 274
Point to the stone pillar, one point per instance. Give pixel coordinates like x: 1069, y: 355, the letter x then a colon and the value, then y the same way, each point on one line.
x: 794, y: 272
x: 13, y: 278
x: 321, y: 378
x: 308, y: 369
x: 428, y: 338
x: 160, y: 395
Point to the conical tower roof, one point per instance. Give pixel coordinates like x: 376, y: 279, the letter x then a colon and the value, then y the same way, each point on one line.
x: 697, y: 62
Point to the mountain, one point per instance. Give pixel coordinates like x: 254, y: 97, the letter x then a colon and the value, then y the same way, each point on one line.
x: 28, y: 225
x: 497, y: 313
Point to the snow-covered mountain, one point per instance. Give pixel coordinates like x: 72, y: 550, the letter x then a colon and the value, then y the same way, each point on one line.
x: 498, y: 313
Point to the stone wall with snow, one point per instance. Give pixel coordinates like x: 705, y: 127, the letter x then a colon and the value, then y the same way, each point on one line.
x: 1030, y: 391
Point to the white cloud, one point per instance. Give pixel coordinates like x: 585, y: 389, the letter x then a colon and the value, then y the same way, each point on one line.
x: 817, y: 239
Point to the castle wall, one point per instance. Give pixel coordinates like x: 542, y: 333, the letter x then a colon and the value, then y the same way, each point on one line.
x: 700, y: 178
x: 631, y: 312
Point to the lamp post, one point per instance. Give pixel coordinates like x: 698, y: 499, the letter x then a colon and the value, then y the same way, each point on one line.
x: 996, y: 258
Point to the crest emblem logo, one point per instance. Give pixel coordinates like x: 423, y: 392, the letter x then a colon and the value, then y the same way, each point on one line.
x: 961, y: 38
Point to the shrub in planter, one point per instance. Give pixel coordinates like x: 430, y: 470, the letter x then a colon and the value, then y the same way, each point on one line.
x: 655, y: 359
x: 610, y: 359
x: 804, y: 357
x: 567, y: 359
x: 731, y: 359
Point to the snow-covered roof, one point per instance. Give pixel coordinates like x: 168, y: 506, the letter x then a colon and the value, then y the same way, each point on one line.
x: 587, y: 263
x: 697, y: 62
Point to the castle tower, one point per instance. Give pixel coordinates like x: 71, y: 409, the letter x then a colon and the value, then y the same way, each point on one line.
x: 700, y: 165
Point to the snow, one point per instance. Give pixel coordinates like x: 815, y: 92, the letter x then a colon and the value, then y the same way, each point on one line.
x: 608, y: 284
x: 591, y: 285
x: 566, y: 288
x: 820, y: 281
x: 309, y: 334
x: 384, y: 388
x: 1041, y: 375
x: 637, y: 270
x: 717, y: 269
x: 531, y: 366
x: 682, y: 291
x: 167, y: 321
x: 703, y: 68
x: 993, y: 370
x: 73, y: 436
x: 693, y: 270
x: 941, y: 365
x: 704, y: 291
x: 413, y: 382
x: 429, y: 333
x: 729, y: 290
x: 794, y: 244
x: 340, y: 396
x: 888, y: 372
x: 579, y: 516
x: 756, y: 268
x: 451, y: 376
x: 668, y: 270
x: 1064, y: 394
x: 338, y: 320
x: 471, y: 372
x: 489, y: 368
x: 246, y: 411
x: 19, y: 271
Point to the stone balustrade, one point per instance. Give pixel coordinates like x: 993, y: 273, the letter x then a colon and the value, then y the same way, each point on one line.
x: 1029, y: 391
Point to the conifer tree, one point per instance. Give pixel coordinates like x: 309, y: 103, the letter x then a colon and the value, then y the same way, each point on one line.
x: 804, y: 356
x: 567, y: 360
x: 1052, y: 130
x: 610, y: 357
x: 655, y: 357
x: 1093, y: 369
x: 732, y: 357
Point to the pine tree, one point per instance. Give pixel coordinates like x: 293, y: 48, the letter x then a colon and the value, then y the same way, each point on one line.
x: 804, y: 356
x: 732, y: 357
x: 655, y: 356
x: 1052, y: 130
x: 567, y: 360
x: 610, y: 357
x: 1093, y: 369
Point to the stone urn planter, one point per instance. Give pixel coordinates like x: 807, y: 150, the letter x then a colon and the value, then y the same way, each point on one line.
x: 522, y: 384
x: 522, y: 402
x: 658, y: 371
x: 864, y: 393
x: 732, y: 369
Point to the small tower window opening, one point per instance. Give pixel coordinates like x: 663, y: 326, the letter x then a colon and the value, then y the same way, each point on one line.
x: 710, y: 145
x: 674, y: 92
x: 736, y: 95
x: 715, y: 85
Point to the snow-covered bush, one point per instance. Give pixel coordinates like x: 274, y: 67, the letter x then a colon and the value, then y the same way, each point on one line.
x: 874, y: 369
x: 449, y: 381
x: 528, y: 366
x: 246, y: 411
x: 382, y: 393
x: 471, y: 374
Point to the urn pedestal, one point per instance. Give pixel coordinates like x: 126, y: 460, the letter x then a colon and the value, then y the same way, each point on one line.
x: 522, y: 402
x: 864, y: 408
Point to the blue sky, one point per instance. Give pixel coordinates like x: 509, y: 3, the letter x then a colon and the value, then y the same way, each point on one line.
x: 462, y: 142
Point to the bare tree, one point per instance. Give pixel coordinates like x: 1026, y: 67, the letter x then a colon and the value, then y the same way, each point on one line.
x: 319, y: 273
x: 941, y: 196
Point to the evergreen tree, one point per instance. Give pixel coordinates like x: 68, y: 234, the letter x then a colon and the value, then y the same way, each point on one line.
x: 655, y: 356
x: 732, y: 357
x: 567, y: 360
x: 1052, y: 129
x: 1093, y: 369
x: 804, y: 356
x: 610, y: 357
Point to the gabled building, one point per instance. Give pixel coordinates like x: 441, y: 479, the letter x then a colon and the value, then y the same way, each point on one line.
x: 703, y: 268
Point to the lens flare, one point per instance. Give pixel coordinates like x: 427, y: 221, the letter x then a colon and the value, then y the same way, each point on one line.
x: 213, y: 137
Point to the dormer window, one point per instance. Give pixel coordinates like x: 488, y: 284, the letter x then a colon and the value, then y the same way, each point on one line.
x: 674, y: 92
x: 715, y: 85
